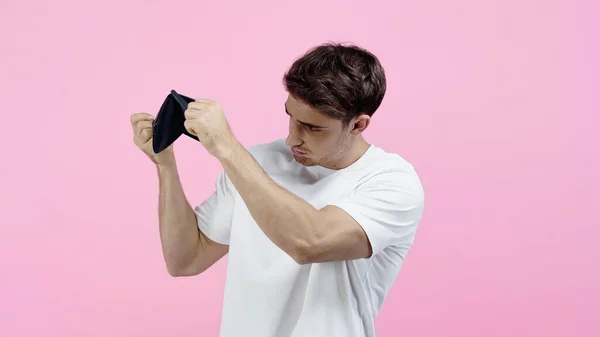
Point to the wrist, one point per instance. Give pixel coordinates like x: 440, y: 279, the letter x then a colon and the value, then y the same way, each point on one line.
x: 169, y: 167
x: 227, y: 152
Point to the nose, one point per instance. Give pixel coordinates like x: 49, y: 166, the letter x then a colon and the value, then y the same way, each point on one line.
x: 293, y: 139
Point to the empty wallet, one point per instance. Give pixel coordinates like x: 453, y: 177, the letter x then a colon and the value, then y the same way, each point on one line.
x: 168, y: 124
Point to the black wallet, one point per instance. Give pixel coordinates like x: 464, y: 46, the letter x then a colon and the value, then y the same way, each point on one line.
x: 168, y: 124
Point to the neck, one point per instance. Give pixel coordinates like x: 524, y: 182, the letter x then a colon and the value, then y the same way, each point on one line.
x: 350, y: 155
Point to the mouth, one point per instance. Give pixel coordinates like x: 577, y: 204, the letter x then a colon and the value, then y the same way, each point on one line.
x: 298, y: 153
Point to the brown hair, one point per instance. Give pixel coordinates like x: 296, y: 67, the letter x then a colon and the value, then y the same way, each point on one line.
x: 340, y: 81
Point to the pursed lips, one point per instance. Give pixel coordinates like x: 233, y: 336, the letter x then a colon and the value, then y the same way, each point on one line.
x: 298, y: 152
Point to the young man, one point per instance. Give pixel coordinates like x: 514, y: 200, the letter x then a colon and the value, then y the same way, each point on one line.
x: 316, y: 226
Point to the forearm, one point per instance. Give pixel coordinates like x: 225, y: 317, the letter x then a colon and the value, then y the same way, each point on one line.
x: 290, y: 222
x: 177, y: 221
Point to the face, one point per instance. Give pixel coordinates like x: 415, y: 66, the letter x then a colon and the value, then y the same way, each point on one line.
x: 316, y: 139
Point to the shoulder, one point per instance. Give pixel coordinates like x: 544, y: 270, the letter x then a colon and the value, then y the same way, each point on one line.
x: 388, y: 199
x: 389, y: 175
x: 383, y: 165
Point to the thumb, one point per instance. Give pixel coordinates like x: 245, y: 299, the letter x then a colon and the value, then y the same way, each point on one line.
x: 189, y: 127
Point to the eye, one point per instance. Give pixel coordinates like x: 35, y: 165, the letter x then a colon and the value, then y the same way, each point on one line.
x: 313, y: 129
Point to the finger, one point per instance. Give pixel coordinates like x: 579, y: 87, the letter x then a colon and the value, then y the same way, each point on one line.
x: 198, y: 104
x: 143, y: 130
x: 140, y: 126
x: 144, y: 124
x: 140, y: 116
x: 145, y: 135
x: 191, y: 113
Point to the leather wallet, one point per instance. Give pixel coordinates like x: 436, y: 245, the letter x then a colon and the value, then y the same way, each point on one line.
x: 168, y: 124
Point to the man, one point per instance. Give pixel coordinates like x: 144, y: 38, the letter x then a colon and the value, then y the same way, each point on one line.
x: 316, y: 226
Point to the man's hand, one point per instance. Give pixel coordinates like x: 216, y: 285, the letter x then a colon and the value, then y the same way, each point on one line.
x: 205, y: 119
x: 142, y: 137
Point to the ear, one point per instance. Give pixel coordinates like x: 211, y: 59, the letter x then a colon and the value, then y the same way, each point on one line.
x: 359, y: 124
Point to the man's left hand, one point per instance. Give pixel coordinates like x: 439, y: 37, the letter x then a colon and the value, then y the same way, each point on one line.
x: 205, y: 119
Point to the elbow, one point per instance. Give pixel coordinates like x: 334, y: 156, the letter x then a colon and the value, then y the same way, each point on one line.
x: 177, y: 270
x: 304, y: 253
x: 174, y: 272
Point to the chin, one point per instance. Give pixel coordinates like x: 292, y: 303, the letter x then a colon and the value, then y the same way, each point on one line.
x: 305, y: 161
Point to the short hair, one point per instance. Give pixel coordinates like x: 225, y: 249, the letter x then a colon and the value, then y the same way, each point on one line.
x: 340, y: 81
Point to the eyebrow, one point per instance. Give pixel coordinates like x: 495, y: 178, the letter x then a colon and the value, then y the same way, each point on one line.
x: 304, y: 123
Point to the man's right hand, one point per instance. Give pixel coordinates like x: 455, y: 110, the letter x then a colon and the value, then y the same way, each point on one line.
x: 142, y: 137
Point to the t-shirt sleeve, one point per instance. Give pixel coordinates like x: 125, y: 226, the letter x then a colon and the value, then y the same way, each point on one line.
x: 214, y: 215
x: 388, y: 207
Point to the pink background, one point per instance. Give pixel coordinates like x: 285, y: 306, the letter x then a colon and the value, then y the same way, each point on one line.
x: 495, y: 102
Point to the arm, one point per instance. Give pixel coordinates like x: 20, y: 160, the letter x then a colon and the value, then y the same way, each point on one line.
x: 308, y: 235
x: 187, y: 251
x: 386, y: 211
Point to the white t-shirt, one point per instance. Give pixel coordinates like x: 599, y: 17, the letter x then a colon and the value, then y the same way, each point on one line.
x: 268, y: 294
